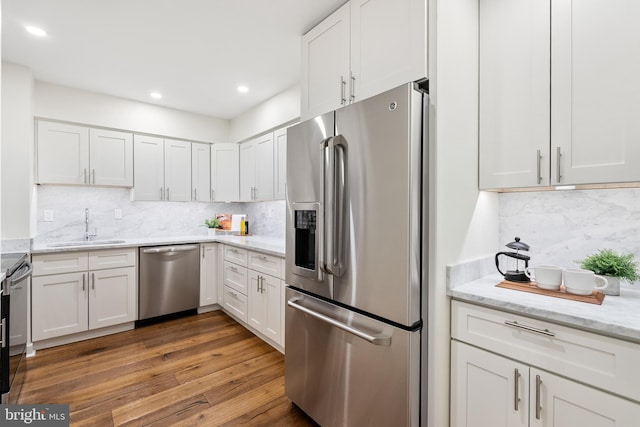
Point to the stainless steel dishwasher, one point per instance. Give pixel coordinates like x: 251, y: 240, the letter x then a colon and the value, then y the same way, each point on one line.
x: 169, y: 280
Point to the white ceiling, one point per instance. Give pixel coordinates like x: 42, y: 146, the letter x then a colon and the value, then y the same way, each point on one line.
x: 195, y: 52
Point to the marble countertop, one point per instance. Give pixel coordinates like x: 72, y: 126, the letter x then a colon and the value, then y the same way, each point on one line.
x: 268, y: 245
x: 617, y: 316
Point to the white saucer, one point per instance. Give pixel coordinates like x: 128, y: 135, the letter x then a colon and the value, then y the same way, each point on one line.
x: 548, y: 287
x: 579, y: 291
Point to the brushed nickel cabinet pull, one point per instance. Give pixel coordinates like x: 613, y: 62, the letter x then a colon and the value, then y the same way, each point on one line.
x: 528, y: 328
x: 93, y: 281
x: 538, y: 405
x: 93, y: 173
x: 516, y: 380
x: 539, y: 160
x: 558, y: 156
x: 85, y: 176
x: 343, y: 87
x: 167, y: 198
x: 83, y: 282
x: 352, y: 89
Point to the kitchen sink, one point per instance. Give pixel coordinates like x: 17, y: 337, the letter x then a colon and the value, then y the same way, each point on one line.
x: 85, y: 243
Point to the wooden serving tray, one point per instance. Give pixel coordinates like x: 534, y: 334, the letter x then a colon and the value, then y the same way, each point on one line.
x: 595, y: 297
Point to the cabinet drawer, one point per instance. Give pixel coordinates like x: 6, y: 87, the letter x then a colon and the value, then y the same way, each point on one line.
x: 235, y: 303
x: 112, y: 258
x: 235, y: 255
x: 235, y: 277
x: 267, y: 264
x: 58, y: 263
x: 597, y: 360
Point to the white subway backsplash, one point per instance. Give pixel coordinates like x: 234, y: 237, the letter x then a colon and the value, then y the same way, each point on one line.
x: 141, y: 219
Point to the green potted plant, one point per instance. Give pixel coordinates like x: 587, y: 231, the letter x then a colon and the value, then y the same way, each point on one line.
x: 614, y: 266
x: 212, y: 224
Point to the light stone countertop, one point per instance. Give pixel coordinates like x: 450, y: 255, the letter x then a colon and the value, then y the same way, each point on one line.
x: 618, y: 316
x: 267, y: 245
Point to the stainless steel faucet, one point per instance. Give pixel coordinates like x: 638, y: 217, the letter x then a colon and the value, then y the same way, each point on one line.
x: 88, y: 236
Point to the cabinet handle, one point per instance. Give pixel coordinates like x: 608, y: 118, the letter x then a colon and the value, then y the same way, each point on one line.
x: 558, y: 156
x: 195, y: 195
x: 516, y: 380
x: 202, y: 252
x: 93, y: 173
x: 352, y: 89
x: 83, y: 282
x: 85, y: 176
x: 213, y: 194
x: 161, y: 193
x: 258, y: 284
x: 93, y: 281
x: 167, y: 198
x: 539, y: 160
x: 343, y: 87
x: 528, y: 328
x: 538, y: 407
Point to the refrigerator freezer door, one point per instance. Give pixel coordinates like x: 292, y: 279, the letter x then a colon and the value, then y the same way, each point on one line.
x: 382, y: 160
x: 343, y: 368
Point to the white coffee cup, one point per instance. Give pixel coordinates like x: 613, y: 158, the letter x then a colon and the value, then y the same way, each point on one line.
x: 545, y: 276
x: 583, y: 282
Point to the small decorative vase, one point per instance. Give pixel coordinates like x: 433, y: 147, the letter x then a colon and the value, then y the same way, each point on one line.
x: 614, y: 286
x: 211, y: 232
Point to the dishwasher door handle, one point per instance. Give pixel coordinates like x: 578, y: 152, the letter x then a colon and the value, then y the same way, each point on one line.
x: 163, y: 249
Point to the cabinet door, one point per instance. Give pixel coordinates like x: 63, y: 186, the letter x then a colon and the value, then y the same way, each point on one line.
x: 235, y: 304
x: 149, y: 168
x: 280, y: 166
x: 112, y: 297
x: 177, y: 170
x: 247, y: 170
x: 325, y: 65
x: 564, y: 403
x: 273, y: 300
x: 514, y: 93
x: 63, y: 153
x: 486, y: 389
x: 388, y: 45
x: 111, y: 158
x: 220, y: 275
x: 257, y: 301
x: 595, y: 101
x: 209, y: 274
x: 59, y: 305
x: 201, y: 172
x: 225, y: 172
x: 264, y: 168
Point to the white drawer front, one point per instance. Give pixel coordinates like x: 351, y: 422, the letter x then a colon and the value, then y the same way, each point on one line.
x: 235, y: 277
x: 267, y: 264
x: 58, y: 263
x: 235, y: 255
x: 112, y: 258
x: 235, y: 303
x: 600, y: 361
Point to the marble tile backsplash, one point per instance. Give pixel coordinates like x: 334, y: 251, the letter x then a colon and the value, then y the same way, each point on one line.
x: 564, y: 226
x: 141, y: 219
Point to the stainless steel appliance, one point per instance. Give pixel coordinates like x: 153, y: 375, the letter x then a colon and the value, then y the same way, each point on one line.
x: 356, y: 262
x: 169, y: 278
x: 13, y: 324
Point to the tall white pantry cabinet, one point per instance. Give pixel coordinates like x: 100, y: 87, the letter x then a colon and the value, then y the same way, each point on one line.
x: 362, y: 49
x: 559, y: 93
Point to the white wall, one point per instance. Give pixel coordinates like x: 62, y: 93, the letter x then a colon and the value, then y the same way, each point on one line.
x: 281, y: 109
x: 464, y: 220
x: 17, y: 151
x: 75, y: 105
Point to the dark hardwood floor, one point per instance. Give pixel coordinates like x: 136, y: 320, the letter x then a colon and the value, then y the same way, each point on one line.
x: 199, y: 370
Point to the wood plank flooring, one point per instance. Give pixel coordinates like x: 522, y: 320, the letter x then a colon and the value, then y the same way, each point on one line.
x: 198, y: 370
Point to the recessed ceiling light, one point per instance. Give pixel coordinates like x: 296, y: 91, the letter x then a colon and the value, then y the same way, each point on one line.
x: 35, y: 31
x: 243, y: 89
x: 156, y: 95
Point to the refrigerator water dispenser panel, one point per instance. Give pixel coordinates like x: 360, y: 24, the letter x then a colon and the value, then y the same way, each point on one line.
x: 305, y: 224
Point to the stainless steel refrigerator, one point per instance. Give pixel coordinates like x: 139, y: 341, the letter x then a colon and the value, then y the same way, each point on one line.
x: 356, y: 262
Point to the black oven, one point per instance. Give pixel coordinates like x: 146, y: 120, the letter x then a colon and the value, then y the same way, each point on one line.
x: 13, y: 324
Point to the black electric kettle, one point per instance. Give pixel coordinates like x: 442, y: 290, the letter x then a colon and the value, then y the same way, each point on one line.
x: 516, y: 275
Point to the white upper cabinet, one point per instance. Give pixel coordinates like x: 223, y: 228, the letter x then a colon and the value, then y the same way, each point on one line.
x: 72, y: 154
x: 201, y: 172
x: 595, y: 91
x: 225, y: 172
x: 514, y: 115
x: 559, y: 98
x: 177, y: 170
x: 362, y: 49
x: 280, y: 164
x: 256, y: 168
x: 149, y: 168
x: 325, y: 65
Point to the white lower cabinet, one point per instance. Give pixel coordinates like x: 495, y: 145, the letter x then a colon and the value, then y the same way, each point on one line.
x: 512, y: 389
x: 253, y: 292
x: 77, y: 298
x: 208, y: 274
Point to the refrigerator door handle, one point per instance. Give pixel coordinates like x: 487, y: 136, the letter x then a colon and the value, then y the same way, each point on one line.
x: 383, y: 340
x: 333, y: 195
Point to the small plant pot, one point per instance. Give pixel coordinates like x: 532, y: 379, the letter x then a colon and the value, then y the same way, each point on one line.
x: 614, y: 286
x: 212, y: 232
